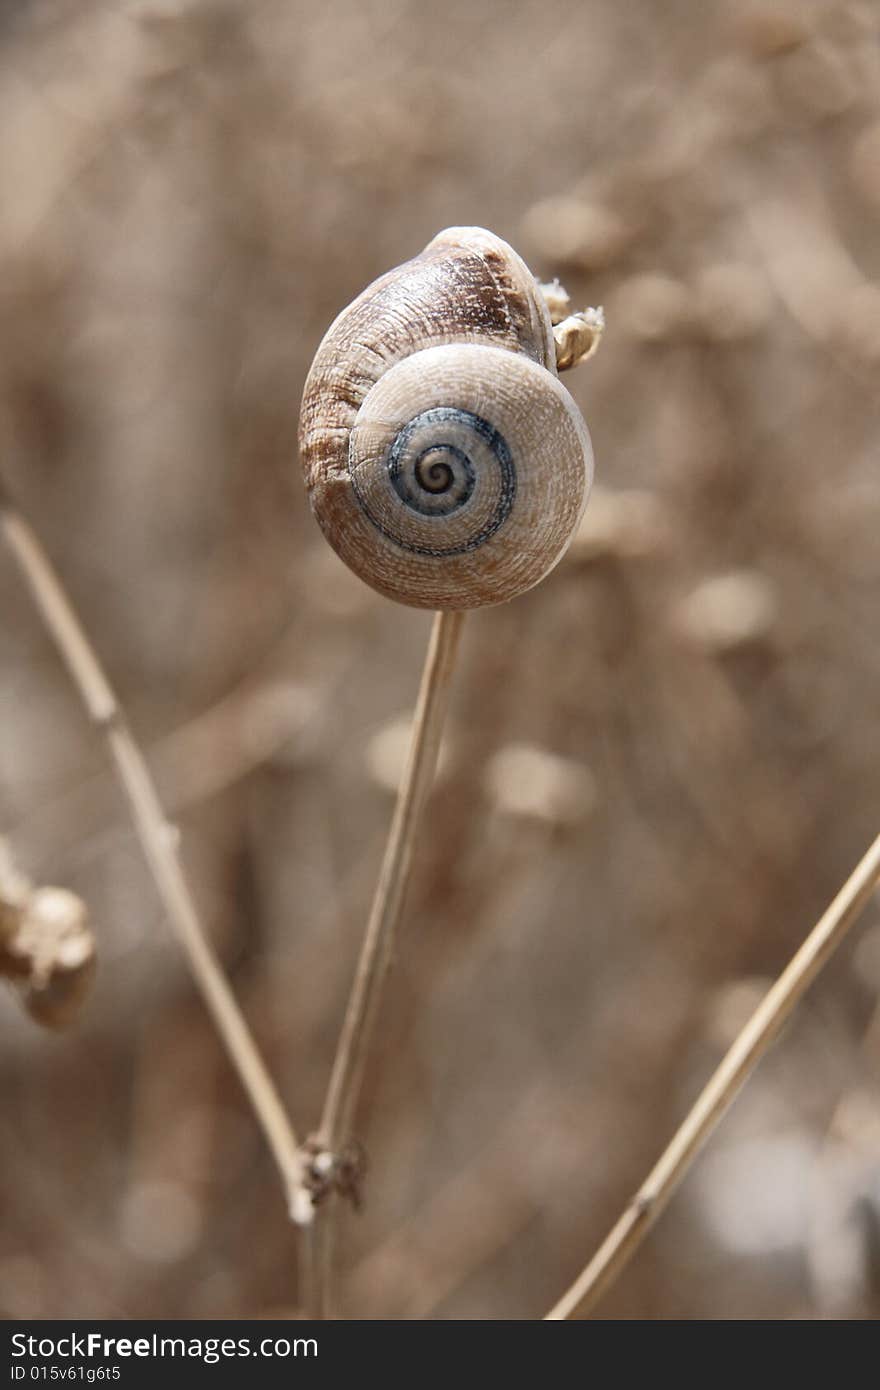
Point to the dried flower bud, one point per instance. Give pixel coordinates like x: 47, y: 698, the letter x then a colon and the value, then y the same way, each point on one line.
x: 578, y: 337
x: 46, y: 945
x: 558, y: 300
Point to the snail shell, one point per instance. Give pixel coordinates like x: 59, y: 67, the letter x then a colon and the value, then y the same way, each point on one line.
x: 445, y: 462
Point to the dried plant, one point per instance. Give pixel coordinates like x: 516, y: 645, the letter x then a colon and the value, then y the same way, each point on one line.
x: 158, y: 837
x: 721, y: 1091
x: 657, y: 767
x: 47, y: 949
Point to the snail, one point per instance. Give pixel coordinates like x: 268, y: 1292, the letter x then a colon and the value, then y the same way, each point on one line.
x: 445, y: 462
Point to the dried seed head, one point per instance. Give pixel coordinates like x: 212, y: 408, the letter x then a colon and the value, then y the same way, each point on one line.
x: 523, y: 780
x: 728, y: 611
x: 46, y: 945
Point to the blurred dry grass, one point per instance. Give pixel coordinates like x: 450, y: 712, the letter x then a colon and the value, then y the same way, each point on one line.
x: 191, y: 191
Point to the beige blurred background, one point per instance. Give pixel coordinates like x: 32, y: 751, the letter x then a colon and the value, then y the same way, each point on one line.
x: 661, y: 763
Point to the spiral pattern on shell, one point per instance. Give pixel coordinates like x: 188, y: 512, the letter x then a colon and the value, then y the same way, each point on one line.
x: 446, y: 463
x: 434, y: 464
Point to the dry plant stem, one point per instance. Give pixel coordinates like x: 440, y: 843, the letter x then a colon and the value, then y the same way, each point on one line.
x: 360, y: 1017
x: 717, y: 1097
x: 315, y: 1245
x: 157, y: 836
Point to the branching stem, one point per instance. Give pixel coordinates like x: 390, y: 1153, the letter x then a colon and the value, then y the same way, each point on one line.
x: 158, y: 838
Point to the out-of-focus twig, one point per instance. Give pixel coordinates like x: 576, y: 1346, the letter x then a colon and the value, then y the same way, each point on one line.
x: 158, y: 838
x: 717, y: 1097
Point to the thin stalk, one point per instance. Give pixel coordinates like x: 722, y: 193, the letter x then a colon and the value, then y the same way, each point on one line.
x: 360, y: 1017
x: 158, y: 838
x: 363, y: 1005
x: 737, y: 1066
x: 315, y: 1255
